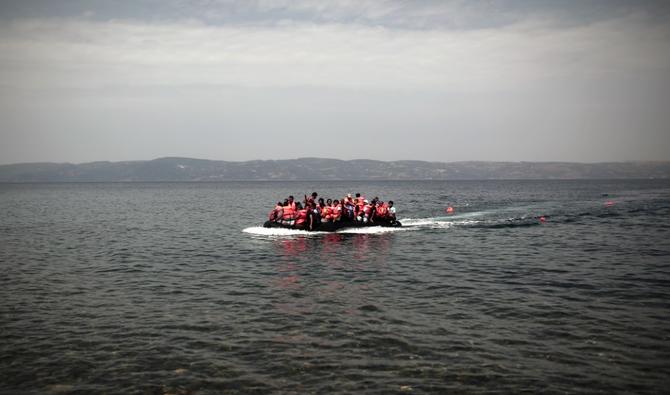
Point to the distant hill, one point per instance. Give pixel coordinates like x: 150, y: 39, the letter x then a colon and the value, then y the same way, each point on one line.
x: 188, y: 169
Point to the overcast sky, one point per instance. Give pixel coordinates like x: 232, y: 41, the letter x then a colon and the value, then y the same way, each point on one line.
x: 536, y: 80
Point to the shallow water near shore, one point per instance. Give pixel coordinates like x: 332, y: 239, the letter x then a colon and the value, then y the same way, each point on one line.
x: 176, y: 288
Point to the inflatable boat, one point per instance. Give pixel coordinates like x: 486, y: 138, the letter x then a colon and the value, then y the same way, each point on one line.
x: 337, y: 225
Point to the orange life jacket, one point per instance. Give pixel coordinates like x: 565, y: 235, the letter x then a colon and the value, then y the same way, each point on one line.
x: 367, y: 209
x: 337, y: 211
x: 301, y: 217
x: 276, y: 213
x: 289, y: 212
x: 382, y: 210
x: 360, y: 201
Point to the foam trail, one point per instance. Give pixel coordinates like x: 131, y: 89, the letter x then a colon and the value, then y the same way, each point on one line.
x: 434, y: 223
x: 370, y: 230
x: 484, y: 213
x: 424, y: 222
x: 470, y: 214
x: 444, y: 222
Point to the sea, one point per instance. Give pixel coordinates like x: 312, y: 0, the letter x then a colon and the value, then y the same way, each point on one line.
x: 176, y: 288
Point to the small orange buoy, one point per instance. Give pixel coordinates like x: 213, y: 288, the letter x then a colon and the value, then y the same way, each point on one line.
x: 542, y: 219
x: 609, y: 203
x: 450, y: 210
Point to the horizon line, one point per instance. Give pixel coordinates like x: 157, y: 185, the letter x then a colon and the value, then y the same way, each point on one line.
x: 335, y: 159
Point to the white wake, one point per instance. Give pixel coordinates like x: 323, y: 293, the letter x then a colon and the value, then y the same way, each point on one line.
x: 408, y: 224
x: 434, y: 223
x: 261, y: 231
x: 370, y: 230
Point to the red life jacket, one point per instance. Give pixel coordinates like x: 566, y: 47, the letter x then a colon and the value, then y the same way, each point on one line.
x: 382, y: 210
x: 337, y: 211
x: 367, y: 209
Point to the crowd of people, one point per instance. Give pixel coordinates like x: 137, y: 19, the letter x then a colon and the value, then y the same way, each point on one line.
x: 315, y: 210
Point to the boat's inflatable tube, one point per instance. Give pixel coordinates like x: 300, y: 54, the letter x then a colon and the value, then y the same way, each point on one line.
x: 334, y: 226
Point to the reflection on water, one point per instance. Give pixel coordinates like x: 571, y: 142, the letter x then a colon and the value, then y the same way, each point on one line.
x: 299, y: 258
x: 331, y: 248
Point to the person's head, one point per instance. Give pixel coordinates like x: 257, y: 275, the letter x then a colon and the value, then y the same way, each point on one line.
x: 366, y: 201
x: 329, y: 201
x: 279, y: 204
x: 336, y: 202
x: 320, y: 201
x: 358, y: 195
x: 290, y: 198
x: 314, y: 195
x: 349, y: 195
x: 390, y: 203
x: 285, y: 202
x: 298, y: 206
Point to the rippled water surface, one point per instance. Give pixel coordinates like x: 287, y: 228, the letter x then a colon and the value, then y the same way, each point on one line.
x: 174, y: 288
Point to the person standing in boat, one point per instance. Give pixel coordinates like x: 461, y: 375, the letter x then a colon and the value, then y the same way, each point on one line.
x: 349, y: 207
x: 311, y: 198
x: 313, y: 218
x: 316, y: 213
x: 360, y: 202
x: 372, y: 215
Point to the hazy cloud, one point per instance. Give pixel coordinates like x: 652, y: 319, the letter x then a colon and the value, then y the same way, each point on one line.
x: 81, y: 53
x: 590, y: 88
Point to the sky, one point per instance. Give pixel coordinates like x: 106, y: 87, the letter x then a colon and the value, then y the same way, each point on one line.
x: 531, y: 80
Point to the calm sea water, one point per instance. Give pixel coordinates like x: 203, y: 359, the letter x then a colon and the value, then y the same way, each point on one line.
x: 174, y: 288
